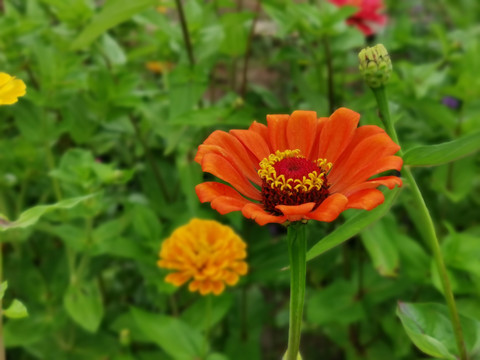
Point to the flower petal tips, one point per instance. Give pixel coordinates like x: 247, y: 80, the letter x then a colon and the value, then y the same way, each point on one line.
x: 10, y: 89
x: 369, y: 17
x: 206, y: 253
x: 298, y: 167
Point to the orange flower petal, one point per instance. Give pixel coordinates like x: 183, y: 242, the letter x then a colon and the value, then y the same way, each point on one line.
x: 223, y: 169
x: 261, y: 130
x: 232, y: 149
x: 253, y: 142
x: 211, y: 190
x: 256, y: 212
x: 296, y: 212
x: 367, y: 199
x: 314, y: 151
x: 365, y: 154
x: 337, y: 133
x: 301, y: 131
x: 277, y: 131
x: 388, y: 181
x: 383, y: 164
x: 330, y: 208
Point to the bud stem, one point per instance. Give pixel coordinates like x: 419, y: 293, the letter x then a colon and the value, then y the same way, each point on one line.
x: 426, y: 219
x: 297, y: 249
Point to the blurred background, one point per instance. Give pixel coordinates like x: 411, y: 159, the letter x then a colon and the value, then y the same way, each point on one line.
x: 118, y: 100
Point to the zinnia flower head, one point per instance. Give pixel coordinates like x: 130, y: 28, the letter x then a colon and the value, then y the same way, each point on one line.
x: 206, y: 252
x: 298, y: 167
x: 368, y: 17
x: 10, y: 89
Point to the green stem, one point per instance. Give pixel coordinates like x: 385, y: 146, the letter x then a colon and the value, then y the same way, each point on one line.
x: 2, y: 345
x: 297, y: 249
x: 426, y: 219
x: 186, y: 35
x: 208, y: 322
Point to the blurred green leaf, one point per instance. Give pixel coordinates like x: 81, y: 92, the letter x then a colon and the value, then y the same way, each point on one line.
x: 215, y: 306
x: 236, y: 30
x: 16, y: 310
x: 432, y: 155
x: 113, y: 13
x: 353, y: 226
x: 379, y: 242
x: 345, y: 309
x: 31, y: 216
x: 175, y: 337
x: 3, y: 288
x: 430, y: 329
x: 83, y: 302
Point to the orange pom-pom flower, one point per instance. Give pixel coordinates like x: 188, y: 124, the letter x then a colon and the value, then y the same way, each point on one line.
x: 298, y: 167
x: 206, y: 252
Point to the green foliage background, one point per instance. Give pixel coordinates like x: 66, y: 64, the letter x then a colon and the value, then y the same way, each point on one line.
x: 97, y: 126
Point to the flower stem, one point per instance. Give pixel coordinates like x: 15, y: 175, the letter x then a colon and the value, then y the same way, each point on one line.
x: 426, y: 219
x: 297, y: 249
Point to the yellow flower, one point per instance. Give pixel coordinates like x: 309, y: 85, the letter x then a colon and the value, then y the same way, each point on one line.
x: 10, y: 89
x: 158, y: 67
x: 206, y: 252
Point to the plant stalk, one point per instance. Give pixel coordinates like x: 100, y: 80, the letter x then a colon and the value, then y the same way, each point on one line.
x: 426, y: 219
x: 297, y: 249
x: 2, y: 344
x: 186, y: 35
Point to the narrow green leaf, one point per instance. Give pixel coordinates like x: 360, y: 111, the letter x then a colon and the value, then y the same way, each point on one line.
x: 352, y: 226
x: 83, y: 303
x: 113, y: 13
x: 432, y: 155
x: 16, y: 310
x: 31, y: 216
x: 175, y: 337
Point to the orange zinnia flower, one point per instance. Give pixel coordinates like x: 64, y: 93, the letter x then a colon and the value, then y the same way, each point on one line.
x: 206, y: 251
x: 298, y: 167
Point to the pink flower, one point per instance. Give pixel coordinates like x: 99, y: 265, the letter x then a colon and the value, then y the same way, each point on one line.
x: 368, y: 17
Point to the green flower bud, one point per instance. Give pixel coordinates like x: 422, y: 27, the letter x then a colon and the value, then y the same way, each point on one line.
x: 375, y: 65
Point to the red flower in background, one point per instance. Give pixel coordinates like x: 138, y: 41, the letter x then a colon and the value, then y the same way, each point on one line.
x: 368, y: 18
x: 298, y: 167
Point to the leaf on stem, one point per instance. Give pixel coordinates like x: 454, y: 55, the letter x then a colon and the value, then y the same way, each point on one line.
x: 32, y: 215
x: 429, y: 328
x: 433, y: 155
x: 352, y: 226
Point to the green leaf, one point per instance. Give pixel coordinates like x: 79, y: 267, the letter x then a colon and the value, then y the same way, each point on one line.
x: 345, y: 309
x: 113, y: 13
x: 378, y: 240
x: 236, y: 29
x: 218, y: 308
x: 174, y: 336
x: 83, y: 303
x: 16, y: 310
x: 3, y: 288
x: 31, y: 216
x: 352, y: 226
x: 429, y: 328
x: 432, y: 155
